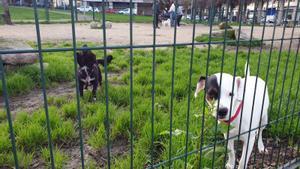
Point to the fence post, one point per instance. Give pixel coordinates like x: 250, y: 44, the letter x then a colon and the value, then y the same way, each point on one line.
x: 9, y: 119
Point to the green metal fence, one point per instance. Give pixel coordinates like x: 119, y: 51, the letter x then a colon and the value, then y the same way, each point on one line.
x: 291, y: 107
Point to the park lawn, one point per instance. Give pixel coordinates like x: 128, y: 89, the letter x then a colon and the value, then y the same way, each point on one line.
x: 30, y: 128
x: 27, y: 14
x: 23, y: 14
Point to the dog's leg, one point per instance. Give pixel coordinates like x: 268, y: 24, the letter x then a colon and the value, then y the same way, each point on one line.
x: 243, y: 162
x: 231, y: 153
x: 260, y: 144
x: 261, y: 147
x: 81, y: 89
x: 95, y: 85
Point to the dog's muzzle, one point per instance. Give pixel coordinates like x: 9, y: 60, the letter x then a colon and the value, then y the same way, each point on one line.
x: 222, y: 112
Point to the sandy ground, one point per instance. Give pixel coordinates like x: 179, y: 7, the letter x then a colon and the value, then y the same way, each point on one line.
x: 142, y: 33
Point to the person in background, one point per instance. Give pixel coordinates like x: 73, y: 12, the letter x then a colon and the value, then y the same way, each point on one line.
x: 172, y: 14
x: 156, y: 10
x: 179, y: 15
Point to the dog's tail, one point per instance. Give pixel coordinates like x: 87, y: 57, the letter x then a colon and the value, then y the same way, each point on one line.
x: 109, y: 58
x: 247, y: 69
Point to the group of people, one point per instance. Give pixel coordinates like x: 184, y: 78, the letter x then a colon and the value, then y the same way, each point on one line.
x: 172, y: 13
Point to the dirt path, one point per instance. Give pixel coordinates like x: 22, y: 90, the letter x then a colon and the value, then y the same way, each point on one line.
x: 119, y: 34
x: 34, y: 100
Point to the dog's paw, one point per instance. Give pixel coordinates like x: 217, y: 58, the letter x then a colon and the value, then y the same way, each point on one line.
x: 261, y: 149
x: 94, y: 99
x: 229, y: 166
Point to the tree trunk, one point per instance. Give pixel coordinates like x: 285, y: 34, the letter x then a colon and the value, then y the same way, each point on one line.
x: 6, y: 14
x: 280, y: 12
x: 259, y: 11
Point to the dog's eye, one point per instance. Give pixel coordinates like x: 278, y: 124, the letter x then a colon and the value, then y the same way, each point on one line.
x: 230, y: 94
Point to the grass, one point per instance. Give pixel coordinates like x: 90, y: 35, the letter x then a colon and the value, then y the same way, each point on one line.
x: 60, y: 16
x: 30, y: 129
x: 231, y: 40
x: 27, y: 13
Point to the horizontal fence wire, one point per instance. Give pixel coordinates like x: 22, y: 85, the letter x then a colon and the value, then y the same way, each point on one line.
x: 213, y: 12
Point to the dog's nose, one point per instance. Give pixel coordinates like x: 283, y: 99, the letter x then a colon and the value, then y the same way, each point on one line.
x: 222, y: 112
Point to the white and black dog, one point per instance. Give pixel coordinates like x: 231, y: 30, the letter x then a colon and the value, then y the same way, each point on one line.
x: 89, y: 73
x: 224, y: 94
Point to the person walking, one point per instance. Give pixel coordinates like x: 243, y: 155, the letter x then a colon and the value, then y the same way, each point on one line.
x: 156, y: 10
x: 179, y: 16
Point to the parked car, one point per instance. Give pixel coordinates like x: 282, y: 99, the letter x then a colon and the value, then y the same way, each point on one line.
x: 85, y: 9
x: 126, y: 11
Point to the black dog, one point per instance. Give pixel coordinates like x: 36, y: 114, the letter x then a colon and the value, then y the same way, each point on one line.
x: 89, y: 73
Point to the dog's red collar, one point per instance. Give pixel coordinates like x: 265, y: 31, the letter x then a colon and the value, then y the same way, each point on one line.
x: 237, y: 112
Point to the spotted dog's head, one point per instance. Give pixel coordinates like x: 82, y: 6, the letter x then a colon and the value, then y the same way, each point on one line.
x: 222, y: 94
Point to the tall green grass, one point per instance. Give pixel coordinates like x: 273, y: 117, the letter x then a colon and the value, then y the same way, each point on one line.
x: 63, y: 114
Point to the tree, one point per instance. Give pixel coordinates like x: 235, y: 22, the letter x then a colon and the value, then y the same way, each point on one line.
x: 280, y: 12
x: 6, y: 14
x: 186, y: 4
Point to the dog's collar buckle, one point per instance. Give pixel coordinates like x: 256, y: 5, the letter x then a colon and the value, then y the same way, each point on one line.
x: 237, y: 112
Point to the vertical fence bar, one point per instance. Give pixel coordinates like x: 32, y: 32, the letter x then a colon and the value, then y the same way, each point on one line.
x: 211, y: 20
x: 257, y: 74
x: 172, y: 87
x: 285, y: 72
x: 275, y: 81
x: 38, y: 35
x: 234, y: 75
x: 155, y: 15
x: 293, y: 114
x: 267, y: 75
x: 131, y: 84
x: 74, y: 11
x: 190, y: 84
x: 222, y: 67
x: 244, y: 90
x: 107, y: 123
x: 77, y: 85
x: 9, y: 119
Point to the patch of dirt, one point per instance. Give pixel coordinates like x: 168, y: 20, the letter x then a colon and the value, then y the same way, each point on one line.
x: 117, y: 148
x: 268, y: 160
x: 34, y: 100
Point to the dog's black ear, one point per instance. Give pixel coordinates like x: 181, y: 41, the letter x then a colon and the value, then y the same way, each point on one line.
x: 200, y: 85
x: 80, y: 60
x: 109, y: 58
